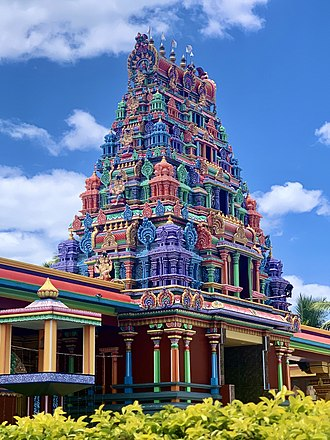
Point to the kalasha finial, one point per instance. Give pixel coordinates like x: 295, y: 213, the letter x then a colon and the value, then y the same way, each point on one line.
x: 162, y: 49
x: 169, y: 220
x: 183, y: 62
x: 172, y: 56
x: 47, y: 290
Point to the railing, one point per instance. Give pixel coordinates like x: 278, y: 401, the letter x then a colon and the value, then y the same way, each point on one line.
x: 179, y: 394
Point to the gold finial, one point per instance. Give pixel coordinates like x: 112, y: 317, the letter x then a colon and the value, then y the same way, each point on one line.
x: 270, y: 255
x: 71, y: 235
x: 47, y: 290
x: 169, y: 220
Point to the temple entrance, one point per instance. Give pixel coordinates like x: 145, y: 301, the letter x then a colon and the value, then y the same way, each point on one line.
x: 244, y: 366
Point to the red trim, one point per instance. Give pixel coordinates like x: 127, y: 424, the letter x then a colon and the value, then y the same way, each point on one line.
x: 69, y: 286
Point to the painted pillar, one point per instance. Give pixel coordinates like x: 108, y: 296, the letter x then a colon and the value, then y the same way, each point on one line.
x: 156, y: 335
x: 50, y: 345
x: 249, y: 268
x: 129, y: 269
x: 209, y: 196
x: 187, y: 338
x: 224, y: 271
x: 256, y: 270
x: 116, y: 265
x: 128, y: 339
x: 214, y: 342
x: 89, y: 349
x: 279, y: 354
x: 5, y: 348
x: 236, y: 256
x: 262, y: 286
x: 114, y: 367
x: 174, y: 335
x: 286, y: 367
x: 232, y: 204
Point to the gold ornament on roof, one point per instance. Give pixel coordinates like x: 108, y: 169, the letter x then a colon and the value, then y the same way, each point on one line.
x: 240, y: 236
x: 131, y: 234
x: 47, y: 290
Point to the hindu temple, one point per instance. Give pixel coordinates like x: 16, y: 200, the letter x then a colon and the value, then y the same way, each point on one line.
x: 169, y: 250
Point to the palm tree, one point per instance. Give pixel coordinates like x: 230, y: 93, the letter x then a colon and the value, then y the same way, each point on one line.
x: 312, y: 311
x: 324, y: 307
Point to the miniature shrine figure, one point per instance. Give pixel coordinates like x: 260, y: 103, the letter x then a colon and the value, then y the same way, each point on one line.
x: 103, y: 267
x: 117, y: 190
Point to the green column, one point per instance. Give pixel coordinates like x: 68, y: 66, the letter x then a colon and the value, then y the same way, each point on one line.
x: 279, y: 354
x: 232, y: 205
x: 236, y: 256
x: 187, y: 364
x: 156, y: 335
x: 209, y: 196
x: 279, y: 372
x: 156, y: 364
x: 249, y: 263
x: 262, y: 286
x: 116, y: 265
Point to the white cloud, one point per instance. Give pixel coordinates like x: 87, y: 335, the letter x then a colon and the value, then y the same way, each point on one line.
x: 290, y: 197
x: 36, y: 212
x: 84, y: 133
x: 68, y: 30
x: 323, y: 133
x: 313, y: 289
x: 222, y: 15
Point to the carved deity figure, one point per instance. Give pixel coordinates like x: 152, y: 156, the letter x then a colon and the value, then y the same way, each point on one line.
x: 103, y: 267
x: 117, y: 188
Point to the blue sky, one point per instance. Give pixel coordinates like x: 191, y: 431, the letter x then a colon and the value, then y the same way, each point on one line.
x: 63, y: 70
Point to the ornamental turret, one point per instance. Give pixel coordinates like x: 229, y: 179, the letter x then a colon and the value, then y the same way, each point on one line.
x: 90, y: 198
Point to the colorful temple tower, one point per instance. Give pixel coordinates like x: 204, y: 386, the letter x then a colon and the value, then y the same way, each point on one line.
x: 167, y: 214
x: 167, y: 204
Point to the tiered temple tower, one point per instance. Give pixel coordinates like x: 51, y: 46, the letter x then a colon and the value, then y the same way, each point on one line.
x: 166, y: 204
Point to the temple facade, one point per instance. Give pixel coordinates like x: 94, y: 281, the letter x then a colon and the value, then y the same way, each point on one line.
x: 168, y: 247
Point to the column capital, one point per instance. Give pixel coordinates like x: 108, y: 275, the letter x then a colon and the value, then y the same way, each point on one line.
x: 236, y: 256
x: 224, y: 254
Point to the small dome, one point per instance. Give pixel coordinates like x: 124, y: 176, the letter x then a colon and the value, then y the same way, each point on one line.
x: 157, y: 96
x: 251, y: 204
x: 47, y: 290
x: 163, y: 168
x: 93, y: 182
x: 121, y: 104
x: 159, y: 126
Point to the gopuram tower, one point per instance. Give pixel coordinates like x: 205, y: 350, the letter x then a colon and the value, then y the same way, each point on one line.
x: 166, y: 210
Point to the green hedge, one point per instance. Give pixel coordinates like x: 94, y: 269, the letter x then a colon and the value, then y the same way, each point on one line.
x: 269, y: 419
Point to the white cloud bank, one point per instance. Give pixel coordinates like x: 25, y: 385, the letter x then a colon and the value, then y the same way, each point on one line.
x: 323, y: 133
x: 35, y: 212
x: 84, y: 133
x: 65, y: 30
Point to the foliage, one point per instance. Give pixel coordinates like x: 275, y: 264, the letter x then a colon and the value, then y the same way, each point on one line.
x: 300, y: 419
x: 50, y: 262
x: 323, y: 307
x: 310, y: 310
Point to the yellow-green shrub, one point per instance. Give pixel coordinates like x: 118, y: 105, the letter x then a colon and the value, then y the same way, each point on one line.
x: 300, y: 419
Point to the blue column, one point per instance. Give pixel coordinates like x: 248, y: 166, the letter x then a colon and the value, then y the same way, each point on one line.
x: 128, y: 379
x: 214, y: 342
